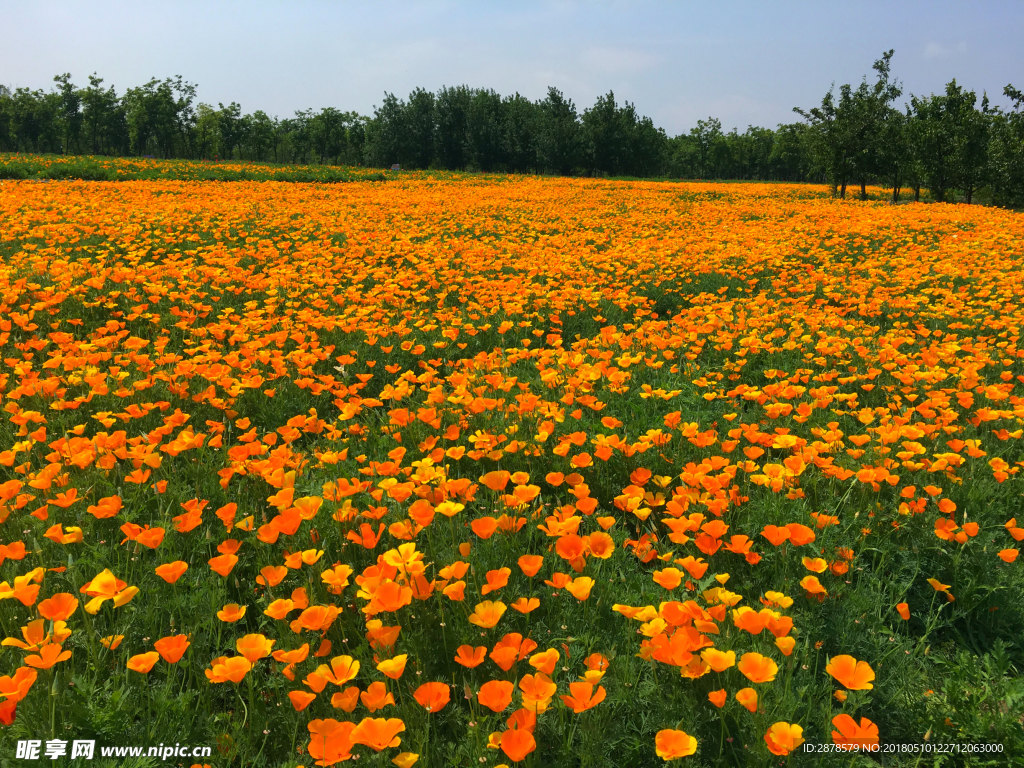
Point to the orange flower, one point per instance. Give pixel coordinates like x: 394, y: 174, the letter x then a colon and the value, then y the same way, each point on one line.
x: 671, y: 744
x: 524, y: 605
x: 393, y: 668
x: 58, y: 607
x: 1008, y: 555
x: 583, y: 697
x: 718, y: 660
x: 49, y: 655
x: 433, y: 697
x: 747, y: 697
x: 812, y: 586
x: 15, y: 687
x: 301, y: 699
x: 668, y: 578
x: 530, y: 564
x: 106, y: 587
x: 486, y: 614
x: 580, y: 587
x: 470, y: 657
x: 225, y: 668
x: 757, y: 668
x: 517, y: 744
x: 171, y: 572
x: 376, y: 696
x: 718, y: 697
x: 172, y: 648
x: 496, y: 580
x: 330, y: 741
x: 143, y: 662
x: 851, y: 736
x: 222, y: 564
x: 782, y: 738
x: 231, y: 612
x: 496, y: 695
x: 785, y: 644
x: 342, y: 669
x: 855, y: 675
x: 545, y: 661
x: 904, y: 611
x: 379, y: 733
x: 346, y: 700
x: 254, y: 647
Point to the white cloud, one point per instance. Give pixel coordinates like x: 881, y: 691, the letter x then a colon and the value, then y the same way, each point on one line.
x: 938, y: 51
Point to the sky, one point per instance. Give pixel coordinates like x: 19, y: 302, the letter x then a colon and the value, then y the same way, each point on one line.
x: 677, y: 62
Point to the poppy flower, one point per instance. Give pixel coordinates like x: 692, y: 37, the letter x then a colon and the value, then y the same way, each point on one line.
x: 530, y: 564
x: 904, y: 611
x: 346, y: 700
x: 668, y: 578
x: 545, y: 661
x: 671, y: 744
x: 470, y: 657
x: 393, y: 668
x: 1008, y: 555
x: 496, y: 695
x: 172, y: 648
x: 15, y: 687
x: 486, y: 614
x: 747, y: 697
x: 456, y: 591
x: 378, y: 733
x: 58, y: 607
x: 757, y: 668
x: 580, y: 587
x: 433, y: 697
x: 222, y: 564
x: 48, y: 655
x: 405, y: 759
x: 782, y: 738
x: 171, y: 572
x: 143, y: 662
x: 376, y: 696
x: 254, y: 647
x: 853, y: 674
x: 484, y: 527
x: 718, y: 697
x: 583, y: 697
x: 517, y: 744
x: 231, y: 612
x: 342, y: 670
x: 330, y: 741
x: 496, y: 580
x: 105, y: 586
x: 718, y: 660
x: 526, y: 605
x: 225, y: 668
x: 537, y: 691
x: 812, y: 586
x: 786, y: 645
x: 301, y: 699
x: 853, y: 736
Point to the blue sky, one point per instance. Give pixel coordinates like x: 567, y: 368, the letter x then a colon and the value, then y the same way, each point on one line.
x: 743, y: 62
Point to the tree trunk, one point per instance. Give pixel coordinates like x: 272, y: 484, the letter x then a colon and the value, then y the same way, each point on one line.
x: 969, y: 193
x: 917, y: 193
x: 842, y: 191
x: 863, y: 190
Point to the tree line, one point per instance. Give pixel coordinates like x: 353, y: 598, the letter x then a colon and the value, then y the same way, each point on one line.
x: 952, y: 144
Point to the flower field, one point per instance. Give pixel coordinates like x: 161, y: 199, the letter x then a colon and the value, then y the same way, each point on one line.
x: 495, y: 470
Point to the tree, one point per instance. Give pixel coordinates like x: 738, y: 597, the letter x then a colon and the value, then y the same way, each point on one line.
x: 230, y: 129
x: 386, y: 134
x: 1006, y: 152
x: 519, y: 133
x: 484, y: 121
x: 558, y: 137
x: 706, y: 136
x: 69, y: 113
x: 419, y: 129
x: 451, y: 138
x: 845, y: 130
x: 950, y: 140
